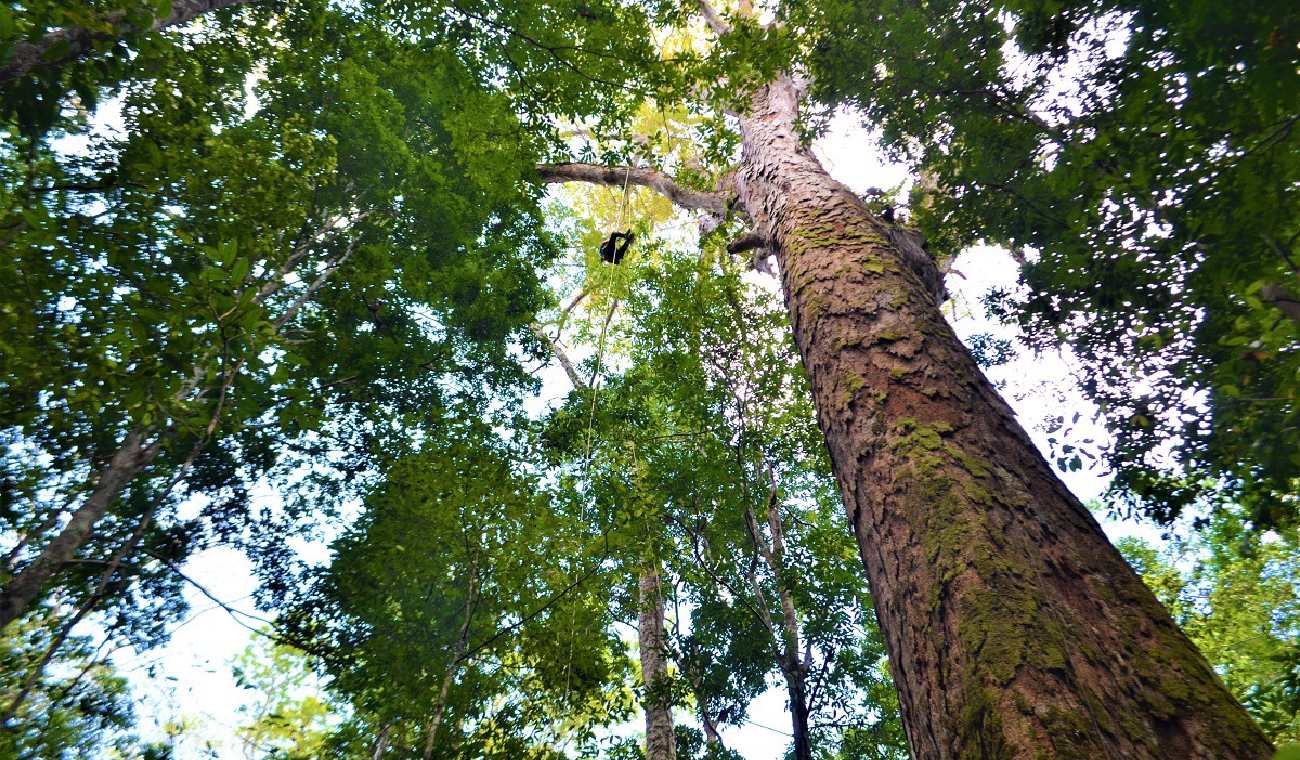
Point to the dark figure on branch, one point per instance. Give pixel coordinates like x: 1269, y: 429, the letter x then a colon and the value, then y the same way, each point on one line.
x: 612, y: 250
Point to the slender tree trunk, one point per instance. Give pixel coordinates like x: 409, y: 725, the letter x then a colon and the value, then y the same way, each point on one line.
x: 796, y: 687
x: 439, y: 709
x: 794, y: 667
x: 381, y: 741
x: 711, y: 735
x: 131, y: 457
x: 458, y: 656
x: 660, y: 744
x: 1014, y: 628
x: 710, y: 730
x: 63, y: 46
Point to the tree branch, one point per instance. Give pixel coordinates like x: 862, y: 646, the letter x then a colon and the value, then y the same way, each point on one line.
x: 62, y: 46
x: 746, y: 242
x: 626, y: 175
x: 713, y: 18
x: 560, y: 355
x: 1279, y: 296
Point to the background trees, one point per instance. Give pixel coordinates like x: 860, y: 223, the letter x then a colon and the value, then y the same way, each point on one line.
x: 1235, y: 593
x: 301, y: 246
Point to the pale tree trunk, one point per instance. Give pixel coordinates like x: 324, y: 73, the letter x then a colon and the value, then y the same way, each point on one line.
x: 381, y: 742
x: 660, y: 744
x: 127, y: 462
x: 439, y: 709
x: 63, y: 46
x: 1014, y: 628
x: 134, y: 455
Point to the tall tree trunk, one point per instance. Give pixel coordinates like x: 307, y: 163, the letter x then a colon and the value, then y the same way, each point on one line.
x: 660, y: 744
x: 63, y: 46
x: 129, y: 459
x: 1014, y: 628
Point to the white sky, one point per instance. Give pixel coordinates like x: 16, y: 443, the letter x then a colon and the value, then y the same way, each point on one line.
x: 191, y: 679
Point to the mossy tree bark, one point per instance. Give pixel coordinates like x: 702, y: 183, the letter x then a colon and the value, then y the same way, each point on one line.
x: 1014, y: 628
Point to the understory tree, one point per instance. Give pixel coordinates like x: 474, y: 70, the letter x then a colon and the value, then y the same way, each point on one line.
x: 460, y: 616
x: 702, y: 429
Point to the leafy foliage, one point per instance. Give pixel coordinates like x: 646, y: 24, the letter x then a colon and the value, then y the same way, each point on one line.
x: 710, y: 409
x: 82, y: 711
x: 278, y: 249
x: 286, y: 719
x: 460, y: 593
x: 299, y: 246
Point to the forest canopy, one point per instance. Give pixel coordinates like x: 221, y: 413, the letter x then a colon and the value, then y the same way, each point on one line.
x: 562, y: 403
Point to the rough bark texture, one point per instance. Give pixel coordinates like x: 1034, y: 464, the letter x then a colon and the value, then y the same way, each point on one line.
x: 1014, y: 628
x: 131, y: 457
x: 63, y: 46
x: 660, y: 743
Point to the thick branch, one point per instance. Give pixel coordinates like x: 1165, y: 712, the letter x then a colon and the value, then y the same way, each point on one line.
x: 1280, y: 297
x: 130, y: 458
x: 63, y: 46
x: 746, y: 242
x: 624, y: 175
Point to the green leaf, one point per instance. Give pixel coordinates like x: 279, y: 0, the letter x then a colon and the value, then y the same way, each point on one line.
x: 238, y: 272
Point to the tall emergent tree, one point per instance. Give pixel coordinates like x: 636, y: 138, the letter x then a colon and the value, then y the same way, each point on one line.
x: 1014, y: 628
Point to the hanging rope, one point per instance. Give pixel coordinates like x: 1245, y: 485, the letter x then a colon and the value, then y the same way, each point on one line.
x: 593, y: 385
x: 595, y: 380
x: 622, y: 211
